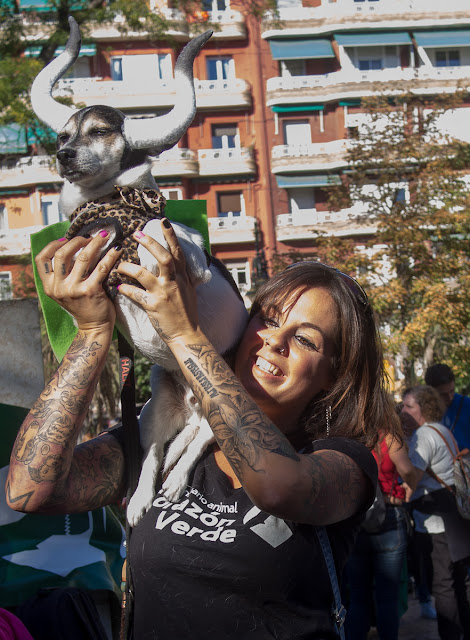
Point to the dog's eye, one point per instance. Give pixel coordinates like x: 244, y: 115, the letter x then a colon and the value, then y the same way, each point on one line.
x: 63, y: 138
x: 99, y: 132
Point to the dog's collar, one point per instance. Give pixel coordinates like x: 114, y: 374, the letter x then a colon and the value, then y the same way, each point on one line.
x: 149, y: 203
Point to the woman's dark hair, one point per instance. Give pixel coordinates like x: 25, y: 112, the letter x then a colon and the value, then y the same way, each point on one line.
x: 361, y: 407
x: 430, y: 402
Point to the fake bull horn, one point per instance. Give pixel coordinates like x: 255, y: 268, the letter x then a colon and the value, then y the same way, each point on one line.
x: 52, y: 113
x: 155, y: 134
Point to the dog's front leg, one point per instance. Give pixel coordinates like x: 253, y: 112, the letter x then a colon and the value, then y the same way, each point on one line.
x: 143, y: 496
x: 177, y: 479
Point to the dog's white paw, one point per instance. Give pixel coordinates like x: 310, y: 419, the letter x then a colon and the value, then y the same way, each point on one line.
x: 138, y: 506
x: 175, y: 484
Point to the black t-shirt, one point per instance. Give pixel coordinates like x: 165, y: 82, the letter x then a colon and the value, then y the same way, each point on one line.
x: 214, y: 566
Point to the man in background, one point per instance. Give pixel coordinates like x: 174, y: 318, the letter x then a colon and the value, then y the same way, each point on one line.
x: 457, y: 415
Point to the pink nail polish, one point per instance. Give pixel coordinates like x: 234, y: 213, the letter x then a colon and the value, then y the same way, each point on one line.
x: 139, y: 234
x: 62, y: 239
x: 104, y: 233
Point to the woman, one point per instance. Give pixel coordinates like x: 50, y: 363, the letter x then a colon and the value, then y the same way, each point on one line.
x: 376, y: 563
x: 238, y: 555
x: 431, y: 456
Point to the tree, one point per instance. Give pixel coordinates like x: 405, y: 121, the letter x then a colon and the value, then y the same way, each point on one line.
x: 406, y: 180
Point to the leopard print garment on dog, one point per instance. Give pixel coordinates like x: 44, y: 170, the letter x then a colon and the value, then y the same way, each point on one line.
x: 127, y: 210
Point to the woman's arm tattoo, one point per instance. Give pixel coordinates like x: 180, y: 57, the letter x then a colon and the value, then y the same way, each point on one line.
x: 47, y: 437
x: 241, y: 429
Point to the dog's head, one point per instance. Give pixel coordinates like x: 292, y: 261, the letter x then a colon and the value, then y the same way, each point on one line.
x: 147, y: 135
x: 91, y: 148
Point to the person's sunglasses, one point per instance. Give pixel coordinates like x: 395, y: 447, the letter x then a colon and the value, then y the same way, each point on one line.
x: 350, y: 282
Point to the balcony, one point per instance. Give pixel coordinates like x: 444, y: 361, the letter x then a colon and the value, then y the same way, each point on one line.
x: 308, y: 224
x: 28, y: 171
x: 136, y: 94
x: 17, y: 242
x: 231, y: 230
x: 118, y: 93
x: 175, y: 162
x: 356, y: 84
x: 221, y: 94
x: 313, y: 156
x: 223, y: 162
x: 380, y: 14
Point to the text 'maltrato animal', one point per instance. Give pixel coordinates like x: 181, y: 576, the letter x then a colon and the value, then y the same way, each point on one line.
x: 104, y: 157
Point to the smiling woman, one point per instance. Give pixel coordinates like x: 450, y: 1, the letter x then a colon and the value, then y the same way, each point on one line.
x: 293, y: 423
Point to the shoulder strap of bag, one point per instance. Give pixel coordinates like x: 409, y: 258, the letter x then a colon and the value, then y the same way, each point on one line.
x: 133, y: 462
x: 339, y: 612
x: 429, y: 471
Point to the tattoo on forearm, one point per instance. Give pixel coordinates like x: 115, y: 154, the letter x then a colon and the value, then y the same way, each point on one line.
x: 155, y: 324
x: 201, y: 378
x: 242, y: 431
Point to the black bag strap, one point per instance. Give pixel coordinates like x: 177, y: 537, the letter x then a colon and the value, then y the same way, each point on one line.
x: 133, y: 459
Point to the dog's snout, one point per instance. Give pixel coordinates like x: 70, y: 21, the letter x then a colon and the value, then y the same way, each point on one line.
x: 66, y: 154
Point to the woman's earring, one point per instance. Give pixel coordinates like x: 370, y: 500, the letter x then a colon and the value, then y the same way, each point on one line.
x: 328, y: 418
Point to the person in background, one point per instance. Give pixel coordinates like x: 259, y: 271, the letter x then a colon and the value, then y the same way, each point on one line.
x: 457, y: 406
x: 376, y: 562
x: 450, y: 549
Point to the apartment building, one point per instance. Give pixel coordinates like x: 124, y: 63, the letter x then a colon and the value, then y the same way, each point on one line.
x: 277, y: 101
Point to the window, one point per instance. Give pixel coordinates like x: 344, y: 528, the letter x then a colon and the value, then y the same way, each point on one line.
x: 222, y: 68
x: 240, y: 272
x: 50, y: 210
x: 230, y: 204
x: 297, y: 132
x: 215, y: 5
x: 301, y: 199
x: 6, y: 292
x: 172, y: 194
x: 448, y: 58
x: 3, y: 218
x: 225, y: 136
x: 292, y: 68
x: 133, y: 68
x: 370, y: 64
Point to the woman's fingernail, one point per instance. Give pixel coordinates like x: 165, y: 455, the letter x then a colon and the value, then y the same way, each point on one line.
x: 117, y: 288
x: 62, y: 239
x: 139, y: 234
x: 104, y: 233
x: 166, y: 223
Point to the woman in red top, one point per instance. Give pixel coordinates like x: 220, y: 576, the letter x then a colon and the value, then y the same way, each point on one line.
x: 376, y: 562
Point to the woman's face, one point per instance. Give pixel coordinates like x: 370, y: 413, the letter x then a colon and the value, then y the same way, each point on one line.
x: 411, y: 407
x: 284, y: 357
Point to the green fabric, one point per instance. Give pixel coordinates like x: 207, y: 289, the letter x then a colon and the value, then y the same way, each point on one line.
x: 81, y: 549
x: 59, y: 324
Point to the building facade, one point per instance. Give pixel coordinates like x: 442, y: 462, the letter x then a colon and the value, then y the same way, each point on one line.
x: 277, y: 102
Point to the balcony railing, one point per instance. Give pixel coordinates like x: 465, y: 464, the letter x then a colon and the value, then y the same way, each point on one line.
x: 234, y: 92
x: 314, y: 155
x: 305, y: 224
x: 343, y: 11
x: 175, y: 162
x: 355, y: 83
x: 28, y: 170
x: 226, y: 161
x: 231, y: 229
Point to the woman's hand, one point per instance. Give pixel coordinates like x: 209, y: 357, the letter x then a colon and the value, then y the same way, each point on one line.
x: 78, y: 285
x: 168, y: 298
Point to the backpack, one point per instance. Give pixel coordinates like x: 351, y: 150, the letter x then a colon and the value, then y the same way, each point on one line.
x: 461, y: 475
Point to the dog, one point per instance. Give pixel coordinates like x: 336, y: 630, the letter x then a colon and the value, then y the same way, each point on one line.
x: 105, y: 160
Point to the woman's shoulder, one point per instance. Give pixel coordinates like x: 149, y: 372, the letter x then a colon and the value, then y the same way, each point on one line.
x: 354, y: 449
